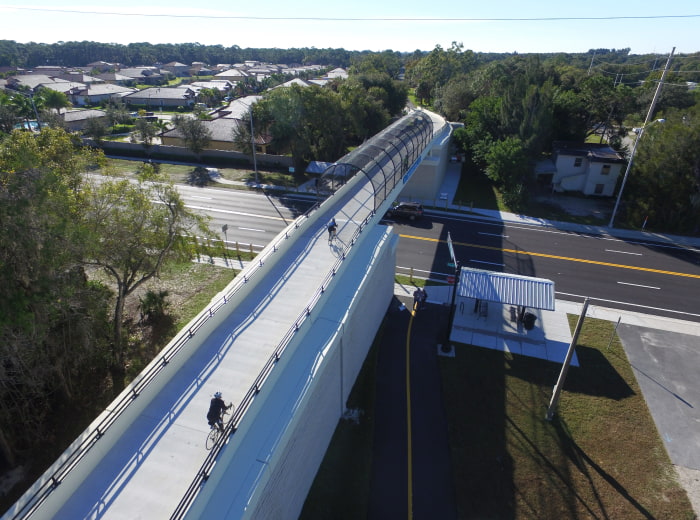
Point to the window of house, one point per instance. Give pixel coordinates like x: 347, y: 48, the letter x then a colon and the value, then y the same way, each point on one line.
x: 578, y: 161
x: 605, y: 170
x: 599, y: 189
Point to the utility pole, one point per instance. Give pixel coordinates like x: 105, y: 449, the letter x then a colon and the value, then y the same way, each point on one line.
x: 590, y: 67
x: 252, y: 143
x: 650, y: 113
x: 567, y: 362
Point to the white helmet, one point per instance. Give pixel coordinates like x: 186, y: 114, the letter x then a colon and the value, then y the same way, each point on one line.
x: 217, y: 395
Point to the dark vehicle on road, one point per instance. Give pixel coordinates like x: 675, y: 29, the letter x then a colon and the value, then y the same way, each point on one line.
x: 409, y: 210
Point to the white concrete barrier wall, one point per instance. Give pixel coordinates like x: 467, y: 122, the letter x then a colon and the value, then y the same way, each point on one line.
x: 294, y: 464
x: 273, y: 457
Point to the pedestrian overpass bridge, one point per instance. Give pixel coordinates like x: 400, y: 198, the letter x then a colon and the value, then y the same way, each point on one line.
x: 284, y: 342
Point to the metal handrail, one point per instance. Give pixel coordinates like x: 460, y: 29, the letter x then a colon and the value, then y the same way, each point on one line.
x: 144, y: 379
x: 247, y: 400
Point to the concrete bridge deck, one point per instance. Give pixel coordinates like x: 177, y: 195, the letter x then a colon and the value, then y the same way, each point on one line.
x: 144, y: 462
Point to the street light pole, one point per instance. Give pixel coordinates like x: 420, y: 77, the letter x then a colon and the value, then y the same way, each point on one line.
x: 650, y: 113
x: 252, y: 143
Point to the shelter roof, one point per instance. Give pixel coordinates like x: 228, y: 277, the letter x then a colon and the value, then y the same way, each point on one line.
x: 509, y: 289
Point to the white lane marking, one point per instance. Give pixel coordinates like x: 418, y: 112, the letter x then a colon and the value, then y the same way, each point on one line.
x: 639, y: 285
x: 646, y: 307
x: 483, y: 262
x: 252, y: 229
x: 622, y: 252
x: 493, y: 235
x: 542, y: 228
x: 415, y: 269
x: 217, y: 210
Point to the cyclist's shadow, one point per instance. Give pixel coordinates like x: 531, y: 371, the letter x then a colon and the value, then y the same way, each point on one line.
x: 337, y: 246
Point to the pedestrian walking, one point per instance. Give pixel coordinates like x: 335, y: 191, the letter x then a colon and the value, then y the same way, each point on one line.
x: 423, y: 298
x: 417, y: 294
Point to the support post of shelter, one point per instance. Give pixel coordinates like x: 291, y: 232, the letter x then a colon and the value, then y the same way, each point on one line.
x: 567, y: 362
x: 452, y: 303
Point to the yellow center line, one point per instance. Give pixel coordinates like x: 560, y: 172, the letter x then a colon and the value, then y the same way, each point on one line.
x: 557, y: 257
x: 408, y: 417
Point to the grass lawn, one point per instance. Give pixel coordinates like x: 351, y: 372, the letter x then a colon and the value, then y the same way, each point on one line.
x: 476, y: 190
x: 179, y: 173
x: 600, y: 457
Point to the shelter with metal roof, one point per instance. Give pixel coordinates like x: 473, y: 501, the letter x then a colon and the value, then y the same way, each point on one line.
x: 506, y: 289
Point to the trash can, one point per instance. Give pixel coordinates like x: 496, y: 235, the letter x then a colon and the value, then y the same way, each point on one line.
x: 529, y: 320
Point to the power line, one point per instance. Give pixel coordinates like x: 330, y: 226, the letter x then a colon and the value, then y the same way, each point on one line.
x: 350, y: 19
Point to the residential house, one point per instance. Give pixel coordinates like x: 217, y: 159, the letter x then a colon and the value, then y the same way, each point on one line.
x: 98, y: 93
x: 76, y: 120
x: 222, y: 129
x: 144, y: 75
x: 199, y: 68
x: 79, y: 77
x: 238, y: 108
x: 177, y: 69
x: 591, y: 169
x: 117, y: 79
x: 203, y: 71
x: 32, y: 81
x: 49, y: 70
x: 232, y: 75
x: 222, y: 86
x: 102, y: 66
x: 337, y: 73
x: 69, y: 88
x: 295, y: 81
x: 162, y: 97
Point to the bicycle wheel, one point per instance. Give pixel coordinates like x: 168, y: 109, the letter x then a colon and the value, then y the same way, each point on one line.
x: 212, y: 437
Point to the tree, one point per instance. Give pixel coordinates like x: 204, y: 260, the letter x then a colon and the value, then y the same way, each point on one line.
x: 52, y: 319
x: 8, y: 117
x: 507, y: 163
x: 387, y: 62
x: 436, y: 68
x: 53, y: 99
x: 117, y: 114
x: 193, y: 131
x: 453, y: 98
x: 96, y: 128
x: 366, y: 113
x: 664, y: 184
x: 209, y: 96
x: 145, y: 131
x: 307, y: 122
x: 135, y: 228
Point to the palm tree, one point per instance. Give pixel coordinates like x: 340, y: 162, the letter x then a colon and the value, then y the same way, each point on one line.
x: 53, y: 99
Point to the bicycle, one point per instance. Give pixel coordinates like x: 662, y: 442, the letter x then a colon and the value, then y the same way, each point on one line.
x: 216, y: 431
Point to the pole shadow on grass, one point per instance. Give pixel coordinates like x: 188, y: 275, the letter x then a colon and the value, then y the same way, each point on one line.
x: 594, y: 376
x: 584, y: 463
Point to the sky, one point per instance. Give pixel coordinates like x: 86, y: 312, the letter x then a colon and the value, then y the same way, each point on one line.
x: 375, y: 25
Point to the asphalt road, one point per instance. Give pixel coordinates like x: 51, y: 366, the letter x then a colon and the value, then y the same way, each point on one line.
x: 629, y: 275
x: 624, y: 274
x: 250, y: 217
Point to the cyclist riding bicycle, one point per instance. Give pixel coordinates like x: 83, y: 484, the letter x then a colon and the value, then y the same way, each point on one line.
x: 332, y: 227
x: 216, y: 411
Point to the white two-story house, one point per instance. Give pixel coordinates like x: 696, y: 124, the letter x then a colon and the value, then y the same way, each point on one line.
x: 591, y: 169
